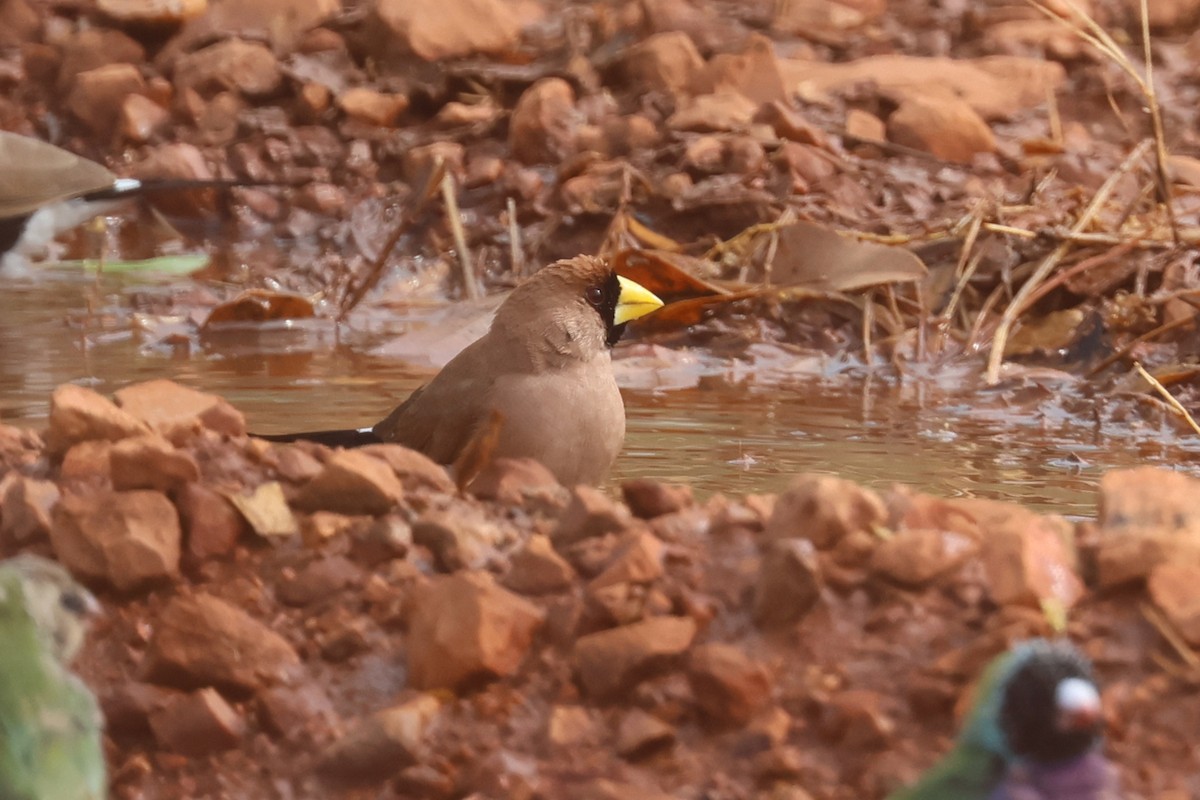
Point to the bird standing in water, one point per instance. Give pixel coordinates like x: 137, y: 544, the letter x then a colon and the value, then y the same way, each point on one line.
x: 543, y: 372
x: 1033, y: 733
x: 50, y: 724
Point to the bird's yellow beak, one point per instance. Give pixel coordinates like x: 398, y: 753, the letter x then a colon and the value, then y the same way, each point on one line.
x: 634, y: 301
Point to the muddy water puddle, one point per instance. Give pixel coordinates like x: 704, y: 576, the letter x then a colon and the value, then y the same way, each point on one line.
x: 734, y: 435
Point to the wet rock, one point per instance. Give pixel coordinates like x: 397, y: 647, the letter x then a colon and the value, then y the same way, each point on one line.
x: 197, y: 724
x: 322, y: 579
x: 78, y: 415
x: 823, y: 509
x: 640, y: 734
x: 178, y: 412
x: 419, y: 162
x: 612, y: 661
x: 1147, y: 516
x: 638, y: 559
x: 721, y: 111
x: 384, y: 539
x: 452, y: 28
x: 26, y: 508
x: 151, y: 12
x: 97, y: 95
x: 648, y: 498
x: 141, y: 118
x: 519, y: 481
x: 913, y: 558
x: 537, y: 569
x: 383, y: 743
x: 211, y: 526
x: 86, y: 461
x: 374, y: 108
x: 570, y: 726
x: 789, y: 584
x: 667, y: 61
x: 296, y: 464
x: 544, y: 123
x: 265, y: 510
x: 590, y: 513
x: 352, y: 483
x: 856, y: 719
x: 727, y: 685
x: 754, y: 73
x: 128, y: 539
x: 320, y: 527
x: 150, y: 462
x: 464, y: 628
x: 865, y: 125
x: 95, y: 47
x: 1175, y: 590
x: 201, y: 640
x: 413, y: 468
x: 943, y: 126
x: 290, y: 711
x: 127, y: 707
x: 460, y: 536
x: 278, y: 22
x: 1026, y: 556
x: 235, y: 65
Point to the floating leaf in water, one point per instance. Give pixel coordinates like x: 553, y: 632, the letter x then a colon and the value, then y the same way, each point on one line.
x: 183, y: 264
x: 260, y: 305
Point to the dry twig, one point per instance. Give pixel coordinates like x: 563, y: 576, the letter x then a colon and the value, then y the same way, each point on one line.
x: 1166, y: 395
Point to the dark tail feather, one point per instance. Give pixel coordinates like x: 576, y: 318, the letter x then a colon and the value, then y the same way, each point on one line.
x: 346, y: 438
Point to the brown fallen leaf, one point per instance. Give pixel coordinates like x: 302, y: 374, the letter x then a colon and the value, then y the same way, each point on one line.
x: 260, y: 305
x: 816, y: 257
x: 671, y: 276
x: 479, y: 451
x: 266, y: 510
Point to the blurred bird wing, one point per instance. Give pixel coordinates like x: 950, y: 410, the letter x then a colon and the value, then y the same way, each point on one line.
x: 965, y: 773
x: 34, y: 173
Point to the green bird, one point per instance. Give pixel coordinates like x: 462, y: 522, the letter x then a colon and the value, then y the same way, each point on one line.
x: 1036, y: 706
x: 50, y: 723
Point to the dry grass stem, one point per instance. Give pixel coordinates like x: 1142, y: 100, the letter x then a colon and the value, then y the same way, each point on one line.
x: 1168, y: 632
x: 1019, y: 301
x: 465, y: 264
x: 515, y: 253
x: 1166, y: 395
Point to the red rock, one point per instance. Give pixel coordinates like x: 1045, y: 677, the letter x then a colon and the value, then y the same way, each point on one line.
x: 86, y: 461
x: 1147, y: 516
x: 211, y: 526
x: 639, y: 734
x: 79, y: 415
x: 727, y: 685
x: 519, y: 482
x: 789, y: 584
x: 648, y: 498
x: 605, y: 789
x: 201, y: 640
x: 266, y: 510
x: 452, y: 28
x: 384, y: 539
x: 707, y: 27
x: 296, y: 464
x: 865, y: 125
x: 413, y: 468
x: 537, y: 569
x: 248, y: 68
x: 419, y: 162
x: 790, y: 124
x: 1175, y: 589
x: 280, y: 22
x: 98, y: 93
x: 464, y: 627
x: 913, y: 558
x: 1166, y: 15
x: 460, y: 536
x: 141, y: 118
x: 705, y: 155
x: 754, y: 73
x: 128, y: 705
x: 128, y: 539
x: 383, y: 743
x: 152, y: 12
x: 455, y: 114
x: 720, y: 111
x: 639, y: 559
x: 944, y: 126
x: 745, y: 155
x: 19, y: 24
x: 26, y: 508
x: 321, y: 580
x: 352, y: 482
x: 372, y: 107
x: 823, y: 509
x: 612, y: 661
x: 290, y: 711
x: 570, y: 726
x: 856, y: 719
x: 95, y: 47
x: 150, y: 462
x: 544, y: 123
x: 483, y: 170
x: 666, y: 61
x: 197, y: 724
x: 178, y: 412
x: 590, y: 513
x: 320, y: 527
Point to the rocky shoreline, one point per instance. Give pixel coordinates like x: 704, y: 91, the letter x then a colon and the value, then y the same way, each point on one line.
x: 295, y: 621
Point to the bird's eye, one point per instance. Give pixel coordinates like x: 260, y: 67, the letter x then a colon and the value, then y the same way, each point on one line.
x: 74, y: 602
x: 595, y: 295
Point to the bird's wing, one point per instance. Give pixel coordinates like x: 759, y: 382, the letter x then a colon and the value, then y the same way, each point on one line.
x: 965, y: 773
x: 33, y: 173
